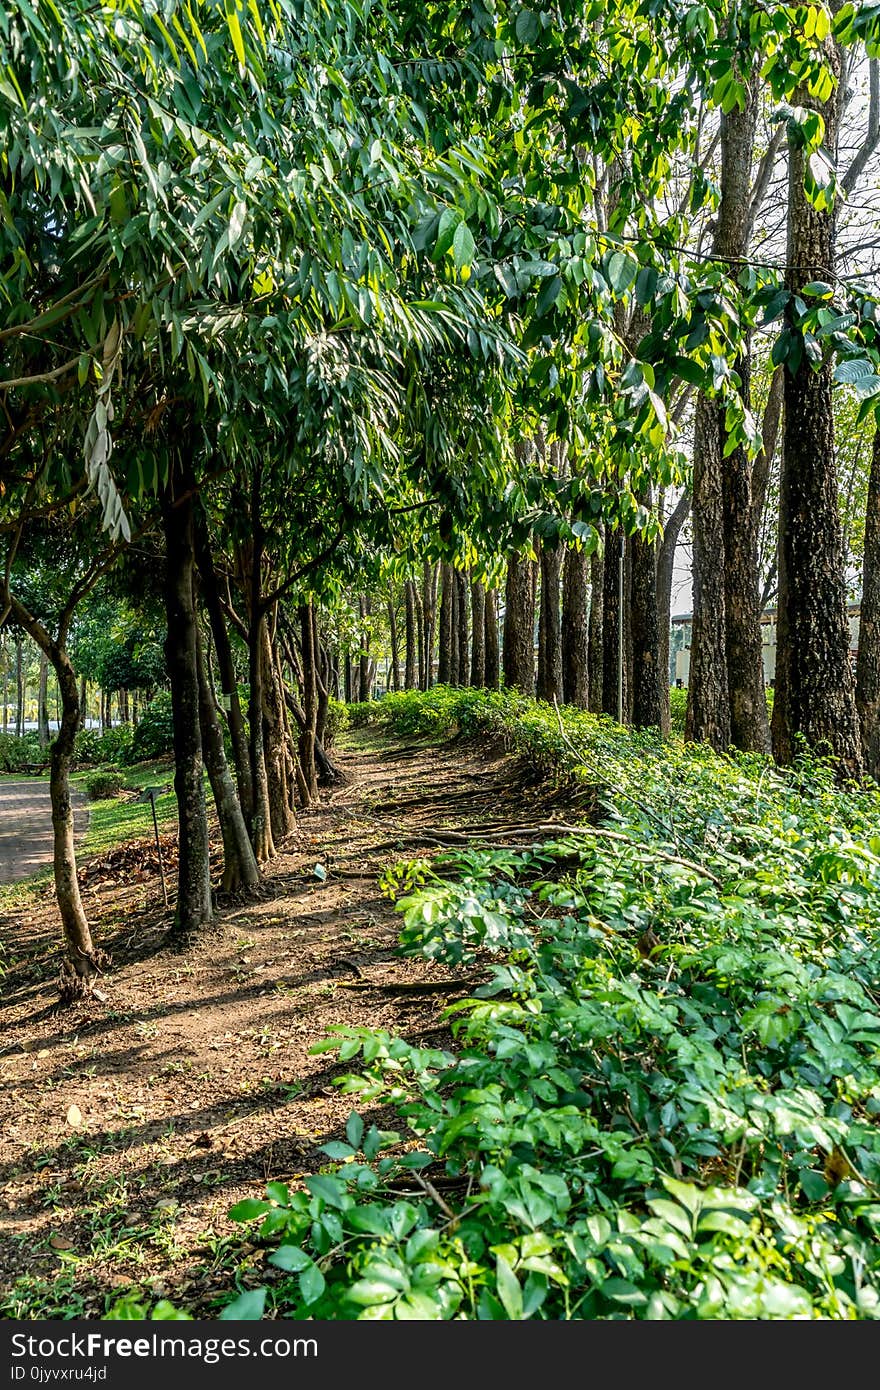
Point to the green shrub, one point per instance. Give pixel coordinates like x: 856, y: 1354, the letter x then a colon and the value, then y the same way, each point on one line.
x: 337, y: 721
x: 112, y: 746
x: 663, y: 1101
x: 16, y: 753
x: 100, y: 786
x: 154, y: 734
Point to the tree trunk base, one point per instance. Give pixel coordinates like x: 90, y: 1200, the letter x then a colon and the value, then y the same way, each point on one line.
x: 76, y: 984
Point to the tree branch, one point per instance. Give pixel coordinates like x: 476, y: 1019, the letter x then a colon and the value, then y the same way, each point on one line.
x: 872, y: 134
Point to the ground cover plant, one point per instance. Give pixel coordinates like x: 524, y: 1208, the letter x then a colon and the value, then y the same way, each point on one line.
x: 662, y: 1101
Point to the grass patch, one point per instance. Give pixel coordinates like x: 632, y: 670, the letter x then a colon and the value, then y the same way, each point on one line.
x: 121, y: 818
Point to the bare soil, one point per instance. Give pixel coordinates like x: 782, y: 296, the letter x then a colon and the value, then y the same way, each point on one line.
x: 129, y: 1128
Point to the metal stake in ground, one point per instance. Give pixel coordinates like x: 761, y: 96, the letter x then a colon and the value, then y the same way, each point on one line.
x: 151, y: 793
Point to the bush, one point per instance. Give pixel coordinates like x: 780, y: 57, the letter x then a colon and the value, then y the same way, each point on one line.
x: 100, y: 786
x: 154, y: 734
x: 337, y: 721
x: 16, y: 753
x: 663, y: 1101
x: 113, y: 746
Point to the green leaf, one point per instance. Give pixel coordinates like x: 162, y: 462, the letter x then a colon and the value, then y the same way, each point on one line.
x: 548, y: 295
x: 463, y: 246
x: 290, y: 1258
x: 248, y: 1307
x: 331, y: 1190
x: 249, y: 1209
x: 509, y: 1290
x: 354, y: 1129
x: 622, y: 271
x: 528, y: 26
x: 311, y: 1283
x: 278, y: 1192
x: 235, y: 32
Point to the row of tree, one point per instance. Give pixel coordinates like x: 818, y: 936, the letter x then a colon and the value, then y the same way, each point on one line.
x: 477, y: 297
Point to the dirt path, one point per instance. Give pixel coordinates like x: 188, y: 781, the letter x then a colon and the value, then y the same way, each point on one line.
x: 26, y: 827
x: 195, y: 1085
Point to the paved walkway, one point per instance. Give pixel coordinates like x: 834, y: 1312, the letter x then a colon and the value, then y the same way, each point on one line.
x: 26, y: 827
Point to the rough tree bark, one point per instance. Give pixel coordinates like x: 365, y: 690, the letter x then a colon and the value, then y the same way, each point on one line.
x: 309, y: 730
x: 395, y: 644
x: 814, y: 695
x: 364, y: 682
x: 519, y: 625
x: 430, y: 571
x: 478, y: 637
x: 447, y: 667
x: 726, y: 686
x: 549, y: 680
x: 708, y: 706
x: 868, y: 666
x: 575, y: 628
x: 194, y: 905
x: 492, y: 671
x: 595, y: 631
x: 612, y: 617
x: 210, y: 593
x: 410, y: 670
x: 281, y: 769
x: 239, y: 861
x: 462, y: 624
x: 647, y: 703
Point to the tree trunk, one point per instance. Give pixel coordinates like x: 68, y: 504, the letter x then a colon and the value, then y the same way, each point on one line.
x: 83, y: 702
x: 726, y: 688
x: 519, y: 625
x: 478, y: 637
x: 231, y: 704
x: 596, y: 632
x: 647, y: 703
x: 395, y: 645
x: 309, y: 731
x: 814, y: 696
x: 82, y: 960
x: 239, y: 862
x: 613, y: 673
x: 430, y: 572
x: 447, y: 665
x: 349, y: 681
x: 708, y: 704
x: 43, y: 702
x: 461, y: 621
x: 420, y: 638
x: 411, y: 665
x: 364, y: 683
x: 194, y: 907
x: 575, y: 628
x: 20, y: 691
x: 749, y: 721
x: 549, y: 680
x: 868, y: 667
x: 492, y: 672
x: 280, y: 764
x: 665, y: 571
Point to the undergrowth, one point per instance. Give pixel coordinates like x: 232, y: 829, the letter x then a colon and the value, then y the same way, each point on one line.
x: 663, y: 1102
